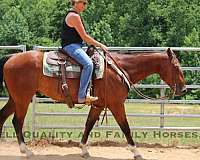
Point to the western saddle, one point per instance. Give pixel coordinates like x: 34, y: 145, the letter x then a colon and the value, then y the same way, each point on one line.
x: 60, y: 58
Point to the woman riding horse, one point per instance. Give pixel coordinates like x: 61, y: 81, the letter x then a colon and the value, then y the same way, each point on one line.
x: 72, y: 37
x: 23, y: 76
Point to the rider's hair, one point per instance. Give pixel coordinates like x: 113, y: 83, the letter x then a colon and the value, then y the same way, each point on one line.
x: 74, y: 1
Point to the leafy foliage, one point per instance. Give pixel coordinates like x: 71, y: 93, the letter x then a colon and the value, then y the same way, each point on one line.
x: 115, y: 23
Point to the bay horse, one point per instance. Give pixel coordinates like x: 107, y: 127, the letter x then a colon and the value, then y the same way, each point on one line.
x: 23, y: 77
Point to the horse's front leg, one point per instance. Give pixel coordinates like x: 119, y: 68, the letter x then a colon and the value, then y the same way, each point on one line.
x: 118, y: 112
x: 91, y: 119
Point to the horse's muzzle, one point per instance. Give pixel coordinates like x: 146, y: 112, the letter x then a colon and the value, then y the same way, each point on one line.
x: 184, y: 90
x: 181, y: 90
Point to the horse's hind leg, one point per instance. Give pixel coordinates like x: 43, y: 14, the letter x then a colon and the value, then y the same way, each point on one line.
x: 18, y: 121
x: 92, y: 118
x: 5, y: 112
x: 118, y: 112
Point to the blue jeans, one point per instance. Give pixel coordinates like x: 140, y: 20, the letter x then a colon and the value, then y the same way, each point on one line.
x: 76, y: 52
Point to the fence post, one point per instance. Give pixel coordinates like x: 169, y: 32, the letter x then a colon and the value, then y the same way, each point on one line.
x: 162, y: 107
x: 23, y: 48
x: 33, y: 115
x: 33, y: 110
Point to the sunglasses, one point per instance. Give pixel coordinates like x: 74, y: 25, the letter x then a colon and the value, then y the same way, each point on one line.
x: 83, y: 2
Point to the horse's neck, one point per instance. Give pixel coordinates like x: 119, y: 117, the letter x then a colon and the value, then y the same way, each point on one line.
x: 140, y: 66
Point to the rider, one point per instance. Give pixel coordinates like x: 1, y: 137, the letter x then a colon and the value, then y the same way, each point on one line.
x: 72, y: 38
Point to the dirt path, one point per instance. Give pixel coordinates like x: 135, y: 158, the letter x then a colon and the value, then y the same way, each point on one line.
x: 10, y: 151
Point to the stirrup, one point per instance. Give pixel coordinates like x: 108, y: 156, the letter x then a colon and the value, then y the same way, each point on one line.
x: 79, y: 106
x: 88, y: 100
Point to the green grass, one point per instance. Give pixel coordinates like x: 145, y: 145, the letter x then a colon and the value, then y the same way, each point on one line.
x: 144, y: 136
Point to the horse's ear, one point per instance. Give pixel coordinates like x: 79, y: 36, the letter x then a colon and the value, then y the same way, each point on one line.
x: 169, y: 53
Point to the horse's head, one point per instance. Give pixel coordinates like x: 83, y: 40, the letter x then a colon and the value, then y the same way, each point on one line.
x: 172, y: 74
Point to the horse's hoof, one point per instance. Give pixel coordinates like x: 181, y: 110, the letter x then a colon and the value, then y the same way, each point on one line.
x: 85, y: 155
x: 29, y: 154
x: 139, y: 157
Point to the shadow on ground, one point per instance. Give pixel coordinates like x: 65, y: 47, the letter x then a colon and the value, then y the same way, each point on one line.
x: 54, y: 157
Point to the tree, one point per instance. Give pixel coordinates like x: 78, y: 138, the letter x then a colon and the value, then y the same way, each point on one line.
x: 115, y: 23
x: 14, y: 28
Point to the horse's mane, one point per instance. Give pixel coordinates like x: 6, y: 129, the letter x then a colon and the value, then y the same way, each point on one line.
x: 135, y: 54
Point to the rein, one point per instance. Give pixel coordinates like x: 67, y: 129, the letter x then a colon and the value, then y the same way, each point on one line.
x: 119, y: 71
x: 105, y: 104
x: 172, y: 93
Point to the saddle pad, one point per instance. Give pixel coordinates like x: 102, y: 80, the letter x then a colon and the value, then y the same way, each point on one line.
x: 72, y: 71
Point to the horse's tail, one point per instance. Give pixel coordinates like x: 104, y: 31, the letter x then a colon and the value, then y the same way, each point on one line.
x: 3, y: 60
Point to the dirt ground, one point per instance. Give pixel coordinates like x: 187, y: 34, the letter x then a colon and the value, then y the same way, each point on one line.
x: 45, y: 151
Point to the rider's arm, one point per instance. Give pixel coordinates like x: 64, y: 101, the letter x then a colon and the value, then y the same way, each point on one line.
x: 74, y: 20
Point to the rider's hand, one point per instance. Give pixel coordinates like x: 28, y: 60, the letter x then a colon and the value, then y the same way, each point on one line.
x: 104, y: 48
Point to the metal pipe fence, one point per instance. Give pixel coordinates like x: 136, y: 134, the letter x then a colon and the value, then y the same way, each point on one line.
x: 162, y: 103
x: 18, y: 47
x: 161, y: 86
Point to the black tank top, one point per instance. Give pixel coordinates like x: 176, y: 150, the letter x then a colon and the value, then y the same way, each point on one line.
x: 69, y: 34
